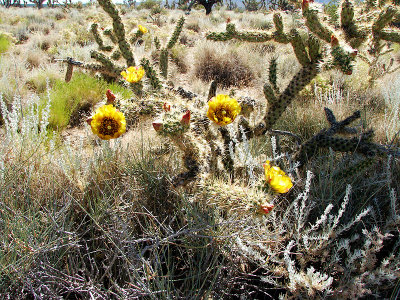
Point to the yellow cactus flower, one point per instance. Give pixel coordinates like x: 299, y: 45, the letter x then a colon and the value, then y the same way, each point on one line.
x: 142, y: 29
x: 277, y: 179
x: 133, y: 74
x: 223, y: 110
x: 108, y: 123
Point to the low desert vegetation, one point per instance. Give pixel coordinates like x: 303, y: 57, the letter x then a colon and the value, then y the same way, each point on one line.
x: 146, y: 153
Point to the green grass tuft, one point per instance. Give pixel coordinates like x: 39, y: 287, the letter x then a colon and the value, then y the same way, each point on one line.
x: 72, y: 100
x: 4, y: 43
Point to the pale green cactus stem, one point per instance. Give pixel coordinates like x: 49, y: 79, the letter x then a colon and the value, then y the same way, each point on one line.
x: 212, y: 92
x: 102, y: 69
x: 390, y: 35
x: 176, y: 33
x: 137, y: 88
x: 354, y: 36
x: 347, y: 14
x: 232, y: 33
x: 116, y: 55
x: 270, y: 95
x: 106, y: 62
x: 279, y: 35
x: 299, y: 47
x: 98, y: 39
x: 314, y: 47
x: 384, y: 18
x: 119, y: 31
x: 157, y: 43
x: 151, y: 74
x: 358, y: 167
x: 136, y: 37
x: 109, y: 33
x: 299, y: 81
x: 273, y: 74
x: 164, y: 62
x: 314, y: 24
x: 343, y: 59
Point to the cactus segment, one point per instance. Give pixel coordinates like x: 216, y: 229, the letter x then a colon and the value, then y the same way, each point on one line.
x: 109, y: 33
x: 157, y: 43
x: 232, y: 33
x: 299, y: 81
x: 342, y: 59
x: 390, y: 36
x: 272, y: 73
x: 105, y: 61
x: 98, y: 38
x: 279, y: 36
x: 358, y: 167
x: 177, y: 32
x: 212, y: 92
x: 116, y: 55
x: 270, y: 95
x: 384, y: 18
x: 314, y: 48
x: 164, y: 63
x: 119, y: 31
x: 299, y: 48
x: 314, y: 24
x: 151, y: 74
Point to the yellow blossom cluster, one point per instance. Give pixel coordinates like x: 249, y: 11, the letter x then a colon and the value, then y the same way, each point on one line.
x: 133, y: 74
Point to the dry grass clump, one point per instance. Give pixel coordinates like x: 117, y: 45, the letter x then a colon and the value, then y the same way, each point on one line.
x: 226, y: 66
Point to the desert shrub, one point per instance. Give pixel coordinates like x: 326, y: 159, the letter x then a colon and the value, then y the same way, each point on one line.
x: 228, y: 68
x: 35, y: 59
x: 149, y: 4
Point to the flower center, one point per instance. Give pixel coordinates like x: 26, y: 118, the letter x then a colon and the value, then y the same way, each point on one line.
x: 108, y: 126
x: 223, y: 113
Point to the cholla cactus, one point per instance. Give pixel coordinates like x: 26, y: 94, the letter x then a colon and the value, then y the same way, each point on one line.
x: 108, y: 65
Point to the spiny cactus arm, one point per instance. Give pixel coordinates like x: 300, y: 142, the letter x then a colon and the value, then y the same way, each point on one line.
x: 151, y: 74
x: 314, y: 24
x: 98, y: 39
x: 176, y: 33
x: 212, y: 92
x: 116, y: 55
x: 106, y: 62
x: 157, y: 43
x: 273, y: 73
x: 232, y: 33
x: 390, y: 35
x: 353, y: 34
x: 347, y: 14
x: 325, y: 138
x: 299, y: 48
x: 279, y: 35
x: 164, y: 62
x: 102, y: 69
x: 226, y: 157
x: 109, y: 33
x: 270, y: 95
x: 299, y: 81
x: 314, y: 48
x: 340, y: 127
x: 119, y: 31
x: 384, y: 18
